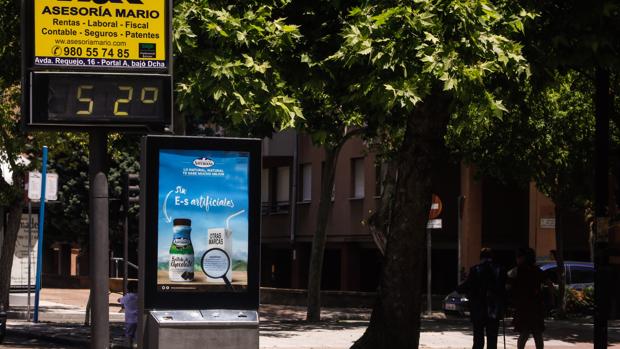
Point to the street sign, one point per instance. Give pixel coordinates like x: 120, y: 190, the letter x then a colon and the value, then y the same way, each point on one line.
x: 101, y: 33
x: 547, y: 223
x: 34, y: 186
x: 19, y: 270
x: 436, y: 207
x: 434, y: 224
x: 97, y: 63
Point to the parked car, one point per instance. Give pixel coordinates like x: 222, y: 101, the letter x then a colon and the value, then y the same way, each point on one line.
x: 579, y: 275
x: 456, y: 304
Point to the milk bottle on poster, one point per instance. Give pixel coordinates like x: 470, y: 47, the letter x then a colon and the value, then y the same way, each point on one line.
x: 181, y: 265
x: 222, y: 238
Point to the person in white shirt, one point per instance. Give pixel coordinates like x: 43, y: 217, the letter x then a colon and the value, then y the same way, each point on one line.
x: 130, y: 303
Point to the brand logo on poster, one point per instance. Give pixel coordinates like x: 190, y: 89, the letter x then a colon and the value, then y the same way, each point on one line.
x: 204, y: 162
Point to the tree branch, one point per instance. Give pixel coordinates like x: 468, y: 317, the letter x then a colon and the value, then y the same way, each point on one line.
x: 350, y: 134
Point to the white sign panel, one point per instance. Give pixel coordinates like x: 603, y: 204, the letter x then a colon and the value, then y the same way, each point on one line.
x: 34, y: 186
x: 434, y: 224
x: 547, y: 223
x: 19, y: 271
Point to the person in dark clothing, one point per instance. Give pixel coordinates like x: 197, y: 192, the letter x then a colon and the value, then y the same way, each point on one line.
x: 527, y: 297
x: 485, y: 287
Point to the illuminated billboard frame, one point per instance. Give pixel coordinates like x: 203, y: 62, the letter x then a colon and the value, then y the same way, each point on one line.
x: 200, y: 211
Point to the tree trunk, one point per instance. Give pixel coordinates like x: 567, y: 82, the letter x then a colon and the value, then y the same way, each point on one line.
x: 395, y: 319
x: 320, y: 235
x: 8, y: 248
x: 379, y: 221
x: 560, y: 213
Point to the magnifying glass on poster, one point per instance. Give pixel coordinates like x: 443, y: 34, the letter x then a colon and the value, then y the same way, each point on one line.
x: 216, y: 263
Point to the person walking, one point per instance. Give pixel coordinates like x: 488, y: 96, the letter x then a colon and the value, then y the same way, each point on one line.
x: 485, y: 287
x: 130, y: 303
x: 528, y: 300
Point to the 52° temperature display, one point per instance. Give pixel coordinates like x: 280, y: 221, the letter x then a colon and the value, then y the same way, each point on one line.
x: 101, y: 98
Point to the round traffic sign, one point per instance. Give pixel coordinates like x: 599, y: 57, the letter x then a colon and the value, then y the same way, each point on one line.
x: 436, y: 207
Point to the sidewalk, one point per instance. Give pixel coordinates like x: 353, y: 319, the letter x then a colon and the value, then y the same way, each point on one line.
x: 282, y: 327
x: 57, y: 305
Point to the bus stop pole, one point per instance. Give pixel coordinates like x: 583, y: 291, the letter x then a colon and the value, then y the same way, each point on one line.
x: 40, y: 239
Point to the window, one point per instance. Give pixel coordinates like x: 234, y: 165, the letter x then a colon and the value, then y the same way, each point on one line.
x: 357, y: 178
x: 306, y: 182
x: 282, y: 184
x: 380, y: 174
x: 264, y: 185
x: 581, y: 276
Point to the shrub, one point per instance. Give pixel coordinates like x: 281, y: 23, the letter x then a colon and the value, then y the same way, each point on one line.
x: 580, y: 301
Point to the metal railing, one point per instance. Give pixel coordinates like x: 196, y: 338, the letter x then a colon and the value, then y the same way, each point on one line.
x: 116, y: 261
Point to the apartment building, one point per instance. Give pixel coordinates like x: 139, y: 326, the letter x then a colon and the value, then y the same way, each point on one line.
x: 492, y: 214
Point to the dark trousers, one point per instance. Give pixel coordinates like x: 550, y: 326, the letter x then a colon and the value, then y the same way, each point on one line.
x: 538, y: 339
x: 491, y: 327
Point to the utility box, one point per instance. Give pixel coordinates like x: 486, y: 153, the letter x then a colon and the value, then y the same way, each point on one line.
x: 217, y: 329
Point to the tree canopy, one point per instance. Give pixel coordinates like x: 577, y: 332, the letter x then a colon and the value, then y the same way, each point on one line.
x: 399, y: 53
x: 548, y: 138
x: 411, y: 66
x: 228, y: 67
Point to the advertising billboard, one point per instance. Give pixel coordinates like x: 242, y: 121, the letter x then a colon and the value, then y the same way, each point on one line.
x: 115, y: 34
x: 19, y: 270
x: 200, y: 222
x: 203, y: 205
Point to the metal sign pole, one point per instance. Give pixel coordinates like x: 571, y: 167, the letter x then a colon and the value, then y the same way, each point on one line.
x: 459, y: 207
x: 40, y: 240
x: 29, y: 256
x: 99, y: 241
x: 428, y: 271
x: 126, y: 237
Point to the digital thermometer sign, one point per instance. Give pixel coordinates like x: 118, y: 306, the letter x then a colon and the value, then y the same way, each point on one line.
x: 100, y: 98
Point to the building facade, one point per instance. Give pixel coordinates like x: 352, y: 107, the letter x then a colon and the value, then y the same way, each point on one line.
x: 491, y: 214
x: 476, y: 212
